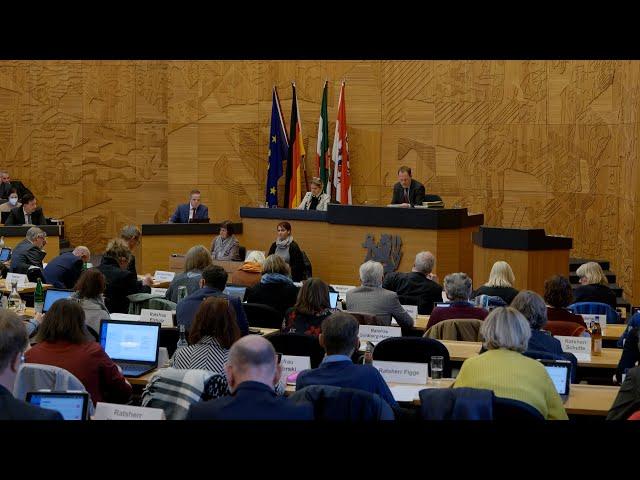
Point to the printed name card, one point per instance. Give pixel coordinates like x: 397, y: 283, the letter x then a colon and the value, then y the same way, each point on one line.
x: 159, y: 291
x: 162, y: 276
x: 112, y: 411
x: 579, y: 346
x: 403, y: 372
x: 412, y: 310
x: 293, y: 363
x: 21, y: 278
x: 591, y: 317
x: 162, y: 316
x: 125, y: 316
x: 375, y: 334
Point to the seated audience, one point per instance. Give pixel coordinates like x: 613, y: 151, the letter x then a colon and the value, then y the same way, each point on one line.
x: 500, y: 284
x: 131, y: 235
x: 286, y: 248
x: 559, y: 295
x: 62, y: 342
x: 121, y: 281
x: 276, y: 288
x: 252, y: 372
x: 26, y: 214
x: 315, y: 199
x: 29, y: 252
x: 189, y: 211
x: 630, y: 353
x: 503, y: 368
x: 627, y: 402
x: 64, y: 270
x: 457, y: 287
x: 13, y: 343
x: 89, y: 291
x: 594, y: 286
x: 250, y: 272
x: 312, y: 307
x: 6, y: 186
x: 226, y: 246
x: 12, y: 201
x: 372, y: 298
x: 212, y: 284
x: 211, y: 335
x: 196, y: 260
x: 532, y: 307
x: 419, y: 287
x: 339, y: 338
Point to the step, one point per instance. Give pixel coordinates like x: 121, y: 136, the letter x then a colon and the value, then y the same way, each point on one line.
x: 616, y: 289
x: 574, y: 263
x: 573, y: 277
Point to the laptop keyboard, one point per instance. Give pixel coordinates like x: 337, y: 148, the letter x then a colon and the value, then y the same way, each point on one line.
x: 131, y: 369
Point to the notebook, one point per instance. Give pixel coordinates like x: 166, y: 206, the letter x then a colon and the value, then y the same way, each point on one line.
x: 71, y: 405
x: 52, y: 295
x: 132, y: 345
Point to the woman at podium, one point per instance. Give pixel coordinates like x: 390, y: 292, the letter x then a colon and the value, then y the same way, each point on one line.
x: 315, y: 199
x: 226, y: 245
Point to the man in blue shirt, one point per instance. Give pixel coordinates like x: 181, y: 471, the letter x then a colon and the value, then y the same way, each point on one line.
x: 212, y: 284
x: 339, y: 338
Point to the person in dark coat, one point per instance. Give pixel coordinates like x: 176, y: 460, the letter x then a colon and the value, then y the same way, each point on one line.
x: 276, y: 288
x: 287, y: 249
x: 407, y: 192
x: 27, y: 214
x: 65, y: 270
x: 28, y: 253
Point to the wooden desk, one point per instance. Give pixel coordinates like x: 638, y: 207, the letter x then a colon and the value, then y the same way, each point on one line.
x: 613, y: 331
x: 29, y: 287
x: 143, y: 380
x: 163, y: 284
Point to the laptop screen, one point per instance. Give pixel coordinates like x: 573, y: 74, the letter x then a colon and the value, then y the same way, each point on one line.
x: 235, y: 292
x: 4, y: 254
x: 559, y: 373
x: 72, y: 406
x: 130, y: 341
x: 51, y: 295
x: 333, y: 299
x: 441, y: 304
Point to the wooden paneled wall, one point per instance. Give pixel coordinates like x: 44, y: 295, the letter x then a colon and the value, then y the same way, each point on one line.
x: 550, y: 144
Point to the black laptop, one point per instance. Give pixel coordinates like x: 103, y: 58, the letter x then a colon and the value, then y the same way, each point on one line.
x: 132, y: 345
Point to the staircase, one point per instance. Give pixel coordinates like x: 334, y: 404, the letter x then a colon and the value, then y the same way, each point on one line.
x: 574, y: 263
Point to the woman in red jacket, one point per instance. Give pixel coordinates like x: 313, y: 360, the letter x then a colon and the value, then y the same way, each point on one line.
x: 64, y: 341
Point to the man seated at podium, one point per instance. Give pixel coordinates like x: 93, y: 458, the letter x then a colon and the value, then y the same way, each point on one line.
x: 407, y: 192
x: 188, y: 212
x: 27, y: 214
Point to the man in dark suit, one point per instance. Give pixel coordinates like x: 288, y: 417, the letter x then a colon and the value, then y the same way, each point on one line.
x: 339, y: 338
x: 419, y: 287
x: 407, y: 192
x: 252, y: 372
x: 193, y: 210
x: 29, y: 253
x: 6, y: 185
x: 212, y: 283
x: 27, y: 214
x: 13, y: 343
x: 65, y: 270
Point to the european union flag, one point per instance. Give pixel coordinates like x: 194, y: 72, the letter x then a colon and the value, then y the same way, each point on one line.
x: 278, y: 150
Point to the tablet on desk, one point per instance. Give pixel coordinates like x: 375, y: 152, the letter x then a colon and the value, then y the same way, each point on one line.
x: 5, y: 254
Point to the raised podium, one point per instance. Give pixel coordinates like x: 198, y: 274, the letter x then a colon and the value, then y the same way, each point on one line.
x: 533, y: 255
x: 339, y: 240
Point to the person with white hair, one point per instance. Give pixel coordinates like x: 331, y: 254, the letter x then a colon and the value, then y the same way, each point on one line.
x: 506, y: 371
x: 250, y: 271
x: 372, y: 298
x: 65, y: 270
x: 500, y: 283
x: 29, y: 252
x: 457, y: 287
x: 594, y: 286
x: 419, y: 287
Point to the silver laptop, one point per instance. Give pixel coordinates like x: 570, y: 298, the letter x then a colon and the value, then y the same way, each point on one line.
x: 560, y: 373
x: 132, y: 345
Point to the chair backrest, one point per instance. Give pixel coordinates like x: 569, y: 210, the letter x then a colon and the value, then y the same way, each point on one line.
x: 340, y: 404
x: 174, y: 390
x: 596, y: 308
x: 509, y: 409
x: 462, y: 329
x: 563, y: 328
x: 34, y: 273
x: 412, y: 349
x: 456, y: 404
x: 242, y: 252
x: 35, y: 376
x: 298, y: 344
x: 363, y: 318
x: 262, y: 316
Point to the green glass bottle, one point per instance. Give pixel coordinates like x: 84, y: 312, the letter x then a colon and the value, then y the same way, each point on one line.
x: 38, y: 297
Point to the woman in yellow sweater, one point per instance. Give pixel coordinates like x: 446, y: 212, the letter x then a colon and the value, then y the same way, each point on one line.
x: 503, y: 368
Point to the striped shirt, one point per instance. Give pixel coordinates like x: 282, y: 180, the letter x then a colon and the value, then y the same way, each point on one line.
x: 207, y: 354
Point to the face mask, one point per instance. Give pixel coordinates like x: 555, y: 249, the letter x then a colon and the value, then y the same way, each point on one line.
x: 13, y: 200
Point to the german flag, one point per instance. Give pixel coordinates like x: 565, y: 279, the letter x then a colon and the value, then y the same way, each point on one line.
x: 293, y: 179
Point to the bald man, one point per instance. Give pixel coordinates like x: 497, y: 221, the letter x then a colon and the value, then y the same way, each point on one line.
x: 65, y: 270
x: 252, y: 372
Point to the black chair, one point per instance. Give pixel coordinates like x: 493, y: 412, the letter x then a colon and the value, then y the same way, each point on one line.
x: 343, y: 404
x: 242, y: 252
x: 169, y: 339
x: 413, y: 349
x: 34, y: 273
x: 262, y: 316
x: 509, y: 409
x: 297, y: 344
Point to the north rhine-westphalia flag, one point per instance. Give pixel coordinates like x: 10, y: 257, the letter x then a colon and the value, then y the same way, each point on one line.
x: 322, y: 148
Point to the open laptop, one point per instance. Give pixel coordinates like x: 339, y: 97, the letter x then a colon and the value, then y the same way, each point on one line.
x: 71, y: 405
x: 234, y: 291
x: 333, y: 299
x: 441, y: 304
x: 132, y: 345
x: 51, y: 295
x: 560, y: 373
x: 5, y: 254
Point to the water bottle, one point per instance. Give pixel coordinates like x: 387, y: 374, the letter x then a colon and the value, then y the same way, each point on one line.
x: 5, y: 301
x: 182, y: 292
x: 38, y: 297
x: 182, y: 340
x: 14, y: 297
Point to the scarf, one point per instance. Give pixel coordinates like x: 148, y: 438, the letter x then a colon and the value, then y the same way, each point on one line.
x: 275, y: 278
x: 284, y: 244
